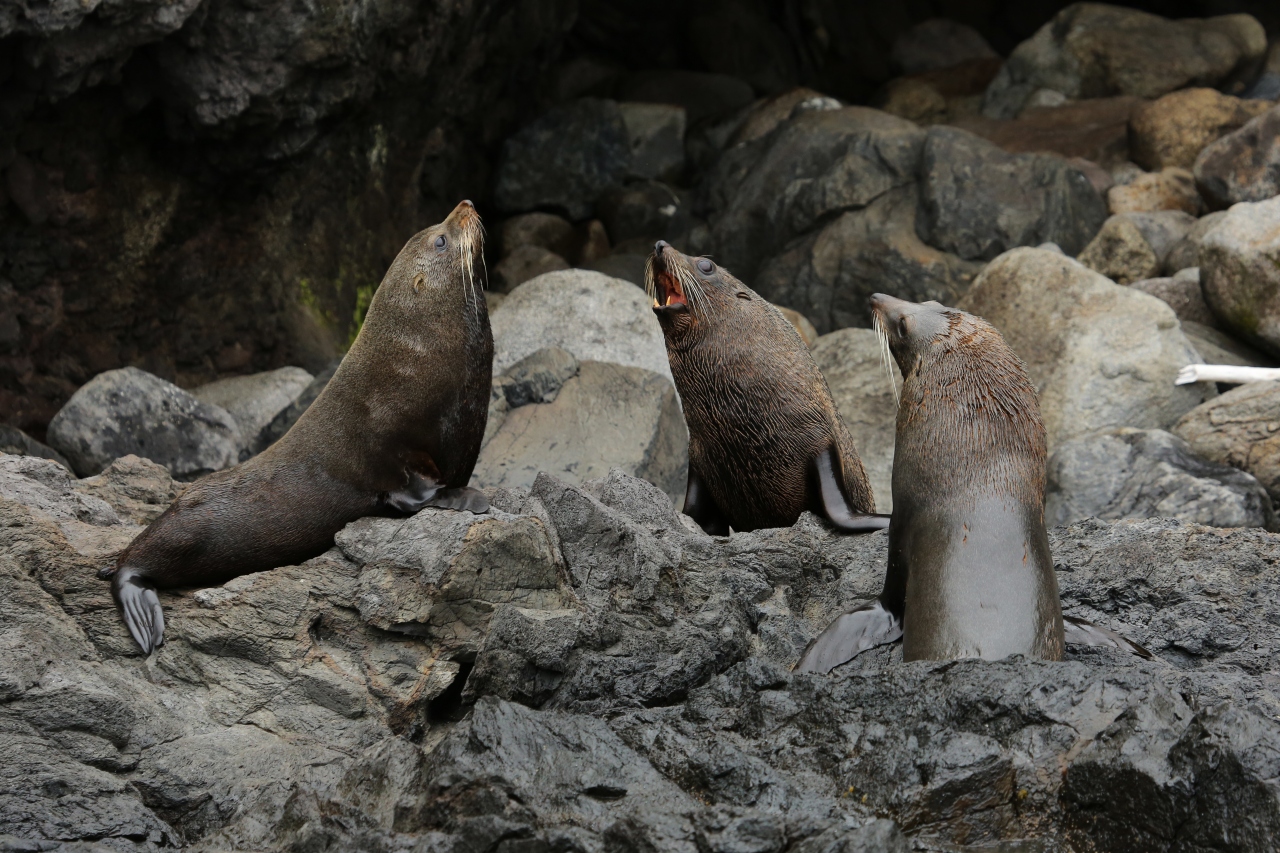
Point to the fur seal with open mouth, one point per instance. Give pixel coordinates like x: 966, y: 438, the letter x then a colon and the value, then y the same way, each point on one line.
x: 970, y: 573
x: 398, y: 428
x: 765, y: 439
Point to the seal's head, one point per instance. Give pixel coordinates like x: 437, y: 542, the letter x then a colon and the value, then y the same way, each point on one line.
x: 443, y: 263
x: 688, y: 292
x: 911, y: 330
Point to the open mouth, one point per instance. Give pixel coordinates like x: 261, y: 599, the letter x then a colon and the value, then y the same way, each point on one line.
x: 666, y: 290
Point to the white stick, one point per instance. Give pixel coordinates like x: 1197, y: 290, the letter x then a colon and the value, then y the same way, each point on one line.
x: 1225, y: 373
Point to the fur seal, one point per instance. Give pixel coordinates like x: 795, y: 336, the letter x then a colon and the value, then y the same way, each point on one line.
x: 398, y: 428
x: 970, y: 573
x: 765, y: 439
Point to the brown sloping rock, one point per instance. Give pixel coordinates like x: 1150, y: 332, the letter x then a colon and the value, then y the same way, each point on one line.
x: 1096, y: 129
x: 1240, y: 428
x: 1173, y: 130
x: 1244, y: 165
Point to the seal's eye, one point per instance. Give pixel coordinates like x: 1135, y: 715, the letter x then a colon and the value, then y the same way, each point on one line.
x: 705, y: 266
x: 440, y: 243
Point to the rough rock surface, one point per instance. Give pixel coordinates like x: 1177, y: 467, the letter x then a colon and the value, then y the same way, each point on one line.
x: 1092, y: 50
x: 1240, y: 428
x: 1095, y: 129
x: 1120, y: 252
x: 1173, y: 130
x: 255, y: 400
x: 579, y: 670
x: 1171, y: 188
x: 1242, y: 166
x: 1186, y: 252
x: 593, y: 316
x: 1100, y: 354
x: 129, y: 411
x: 863, y: 390
x: 1137, y: 473
x: 18, y: 443
x: 1240, y: 272
x: 1182, y: 294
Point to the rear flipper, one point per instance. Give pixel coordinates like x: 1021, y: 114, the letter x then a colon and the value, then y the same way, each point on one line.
x: 831, y: 498
x: 140, y: 608
x: 864, y: 627
x: 1081, y: 632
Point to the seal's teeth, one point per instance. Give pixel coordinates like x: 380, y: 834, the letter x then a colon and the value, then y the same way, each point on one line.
x: 655, y: 304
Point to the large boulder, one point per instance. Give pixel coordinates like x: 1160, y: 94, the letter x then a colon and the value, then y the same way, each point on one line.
x: 130, y: 411
x: 1142, y: 473
x: 656, y: 134
x: 1244, y: 165
x: 1240, y: 271
x: 978, y: 201
x: 1101, y: 355
x: 1173, y: 130
x: 593, y: 316
x: 607, y: 416
x: 1240, y: 428
x: 255, y: 400
x: 1092, y: 50
x: 1120, y: 252
x: 564, y: 159
x: 864, y: 390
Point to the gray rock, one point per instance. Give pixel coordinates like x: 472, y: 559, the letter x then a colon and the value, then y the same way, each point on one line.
x: 644, y: 210
x: 1242, y: 166
x: 126, y: 411
x: 1163, y: 230
x: 1120, y: 252
x: 1101, y: 355
x: 522, y: 264
x: 255, y: 400
x: 538, y: 378
x: 593, y: 316
x: 1183, y: 295
x: 1240, y: 272
x: 543, y: 230
x: 564, y: 159
x: 937, y: 43
x: 1093, y: 50
x: 1240, y: 428
x: 863, y: 390
x: 978, y: 200
x: 287, y: 416
x: 1135, y: 473
x: 829, y: 274
x: 1186, y: 252
x: 18, y: 443
x: 1215, y: 347
x: 656, y: 134
x: 48, y: 487
x: 608, y: 416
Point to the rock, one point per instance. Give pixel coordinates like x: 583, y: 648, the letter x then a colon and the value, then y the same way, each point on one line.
x: 542, y: 230
x: 126, y: 411
x: 646, y: 210
x: 626, y: 266
x: 977, y: 201
x: 1146, y: 473
x: 807, y: 332
x: 1267, y: 86
x: 1214, y: 347
x: 564, y: 159
x: 48, y: 487
x: 1173, y: 130
x: 523, y: 263
x: 538, y: 378
x: 1164, y: 230
x: 1120, y: 252
x: 767, y: 114
x: 1186, y: 252
x: 593, y: 316
x: 137, y: 489
x: 937, y: 43
x: 16, y: 442
x: 1240, y: 428
x: 1240, y: 272
x: 1182, y: 294
x: 1093, y: 50
x: 281, y: 423
x: 1096, y: 129
x: 255, y: 400
x: 1242, y: 166
x: 863, y: 388
x: 913, y: 99
x: 608, y: 416
x: 656, y: 134
x: 829, y: 275
x: 1168, y: 189
x: 703, y: 96
x: 595, y: 241
x: 1101, y: 355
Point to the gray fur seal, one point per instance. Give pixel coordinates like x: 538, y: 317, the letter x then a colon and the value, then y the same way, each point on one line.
x: 398, y: 428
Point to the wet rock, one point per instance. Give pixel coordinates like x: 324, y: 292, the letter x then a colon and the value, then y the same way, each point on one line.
x: 130, y: 411
x: 1186, y: 252
x: 542, y: 230
x: 863, y: 390
x: 937, y: 43
x: 522, y: 264
x: 1134, y: 473
x: 645, y: 210
x: 703, y: 96
x: 828, y: 275
x: 16, y: 442
x: 287, y: 416
x: 608, y: 416
x: 255, y: 400
x: 1182, y: 294
x: 1240, y: 428
x: 564, y: 159
x: 1092, y: 50
x: 593, y: 316
x: 1120, y: 252
x: 1242, y: 166
x: 656, y: 134
x: 1173, y: 130
x: 1169, y: 189
x: 1101, y: 355
x: 1240, y: 272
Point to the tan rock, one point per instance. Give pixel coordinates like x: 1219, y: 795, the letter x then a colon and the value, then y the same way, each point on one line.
x: 1120, y: 252
x: 1173, y: 188
x: 1173, y: 130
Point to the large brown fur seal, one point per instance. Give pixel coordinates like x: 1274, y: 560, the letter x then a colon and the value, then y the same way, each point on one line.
x: 397, y: 428
x: 765, y: 439
x: 970, y: 573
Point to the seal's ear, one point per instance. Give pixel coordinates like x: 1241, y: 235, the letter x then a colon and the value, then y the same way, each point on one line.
x: 828, y: 496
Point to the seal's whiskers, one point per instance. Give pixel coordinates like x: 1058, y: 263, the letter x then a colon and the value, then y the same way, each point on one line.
x: 886, y: 357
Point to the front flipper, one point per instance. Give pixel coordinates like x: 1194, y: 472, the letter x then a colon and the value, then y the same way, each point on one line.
x: 465, y: 498
x: 140, y: 607
x: 702, y: 508
x: 1082, y: 632
x: 832, y: 501
x: 420, y: 491
x: 864, y: 627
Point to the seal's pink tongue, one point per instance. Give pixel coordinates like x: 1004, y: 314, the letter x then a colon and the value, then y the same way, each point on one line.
x: 669, y: 291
